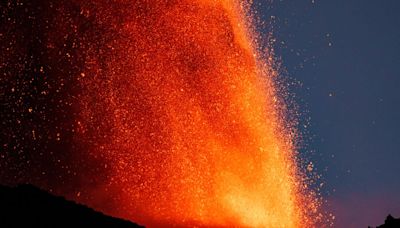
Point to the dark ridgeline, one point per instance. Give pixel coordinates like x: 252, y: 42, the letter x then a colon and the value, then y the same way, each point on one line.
x: 28, y: 206
x: 390, y: 222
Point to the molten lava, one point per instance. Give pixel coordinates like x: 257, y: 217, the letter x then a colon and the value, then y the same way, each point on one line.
x: 186, y: 117
x: 176, y: 119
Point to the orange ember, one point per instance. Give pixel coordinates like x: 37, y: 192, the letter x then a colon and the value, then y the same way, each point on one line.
x: 185, y: 117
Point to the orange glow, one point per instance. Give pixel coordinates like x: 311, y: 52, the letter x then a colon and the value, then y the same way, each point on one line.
x: 185, y: 115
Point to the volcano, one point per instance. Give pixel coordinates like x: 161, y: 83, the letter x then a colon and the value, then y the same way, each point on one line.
x: 161, y: 112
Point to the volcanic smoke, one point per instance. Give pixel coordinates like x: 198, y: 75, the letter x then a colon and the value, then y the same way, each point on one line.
x: 173, y: 115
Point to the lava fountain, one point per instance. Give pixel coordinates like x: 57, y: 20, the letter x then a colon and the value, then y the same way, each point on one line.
x: 178, y: 112
x: 192, y: 132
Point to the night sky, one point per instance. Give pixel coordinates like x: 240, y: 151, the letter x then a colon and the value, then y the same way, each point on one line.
x: 344, y: 56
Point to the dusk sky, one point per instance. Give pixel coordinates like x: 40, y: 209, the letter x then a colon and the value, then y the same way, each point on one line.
x: 346, y: 56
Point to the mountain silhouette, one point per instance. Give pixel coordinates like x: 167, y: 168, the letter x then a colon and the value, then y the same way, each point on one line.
x: 29, y: 206
x: 390, y: 222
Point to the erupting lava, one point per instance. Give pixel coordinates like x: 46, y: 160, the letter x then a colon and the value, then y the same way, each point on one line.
x: 174, y: 102
x: 191, y: 131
